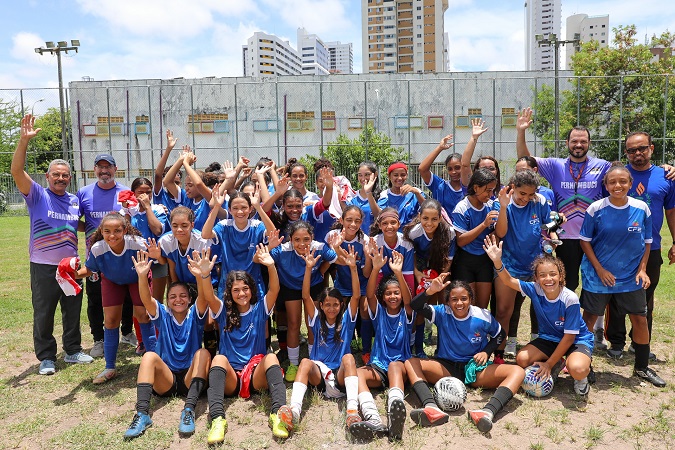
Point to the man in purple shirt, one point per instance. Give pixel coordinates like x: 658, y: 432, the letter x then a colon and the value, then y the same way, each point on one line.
x: 53, y: 236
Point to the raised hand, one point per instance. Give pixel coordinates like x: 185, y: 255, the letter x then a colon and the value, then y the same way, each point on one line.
x: 438, y: 283
x: 379, y: 260
x: 201, y: 264
x: 406, y: 188
x: 396, y: 262
x: 477, y: 128
x: 262, y: 256
x: 334, y: 240
x: 370, y: 183
x: 349, y: 257
x: 446, y: 143
x: 273, y: 239
x: 217, y: 199
x: 189, y: 158
x: 144, y: 199
x: 283, y: 183
x: 505, y: 194
x: 228, y: 170
x: 27, y: 130
x: 524, y: 119
x: 492, y: 249
x: 243, y: 161
x: 264, y: 168
x: 142, y: 263
x: 170, y: 140
x: 311, y: 259
x: 154, y: 251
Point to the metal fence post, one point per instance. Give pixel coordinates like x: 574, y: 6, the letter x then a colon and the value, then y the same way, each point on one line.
x: 192, y: 113
x: 665, y: 118
x: 620, y: 117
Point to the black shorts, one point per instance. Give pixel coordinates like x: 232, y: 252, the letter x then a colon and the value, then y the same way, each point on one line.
x: 548, y: 347
x: 288, y: 294
x: 178, y: 388
x: 321, y: 387
x: 634, y: 302
x: 472, y: 268
x: 455, y: 368
x: 384, y: 376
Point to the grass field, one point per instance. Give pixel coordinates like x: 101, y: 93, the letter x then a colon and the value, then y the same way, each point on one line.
x: 67, y: 411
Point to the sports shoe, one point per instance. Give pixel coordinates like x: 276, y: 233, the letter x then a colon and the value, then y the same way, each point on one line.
x: 555, y: 370
x: 287, y: 416
x: 396, y: 420
x: 278, y: 427
x: 648, y: 374
x: 129, y: 339
x: 79, y: 358
x: 365, y: 357
x: 291, y: 372
x: 652, y: 356
x: 97, y: 349
x: 511, y: 347
x: 217, y: 431
x: 582, y: 387
x: 105, y: 376
x: 352, y: 417
x: 600, y: 343
x: 428, y: 416
x: 615, y: 353
x: 47, y: 367
x: 482, y: 418
x: 140, y: 349
x: 187, y: 422
x: 139, y: 424
x: 365, y: 431
x: 591, y: 376
x: 498, y: 359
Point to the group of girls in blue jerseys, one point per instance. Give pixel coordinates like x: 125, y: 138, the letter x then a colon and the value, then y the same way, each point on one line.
x: 212, y: 265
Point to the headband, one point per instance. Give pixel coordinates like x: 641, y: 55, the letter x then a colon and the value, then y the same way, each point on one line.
x: 398, y: 165
x: 385, y: 214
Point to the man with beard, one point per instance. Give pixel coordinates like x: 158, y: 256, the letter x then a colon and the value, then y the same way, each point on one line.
x: 53, y: 236
x: 97, y: 200
x: 651, y: 186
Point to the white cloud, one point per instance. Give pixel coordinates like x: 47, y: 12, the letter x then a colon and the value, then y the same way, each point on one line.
x: 326, y: 18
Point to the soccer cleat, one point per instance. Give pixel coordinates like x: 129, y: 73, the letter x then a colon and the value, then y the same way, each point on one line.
x: 555, y: 370
x: 139, y: 424
x: 291, y: 372
x: 615, y: 353
x: 79, y: 358
x: 600, y: 343
x: 47, y: 367
x: 105, y: 376
x: 278, y: 426
x: 582, y: 387
x: 352, y: 417
x: 187, y: 422
x: 428, y: 416
x: 365, y: 431
x: 97, y: 349
x: 396, y: 420
x: 140, y: 349
x: 286, y: 415
x: 482, y: 419
x: 498, y: 359
x: 217, y: 431
x: 129, y: 339
x: 648, y: 374
x: 511, y: 347
x: 365, y: 357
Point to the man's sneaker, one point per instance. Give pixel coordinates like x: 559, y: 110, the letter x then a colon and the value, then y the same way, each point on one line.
x: 652, y: 356
x: 105, y: 376
x: 648, y: 374
x: 582, y: 387
x: 217, y: 431
x: 365, y: 357
x: 365, y: 431
x: 511, y: 347
x: 498, y: 359
x: 291, y: 372
x: 428, y: 416
x: 79, y: 358
x: 600, y: 343
x: 287, y: 416
x: 396, y: 420
x: 482, y: 418
x: 352, y: 417
x: 47, y: 367
x: 187, y: 422
x: 615, y: 353
x: 129, y: 339
x: 140, y: 349
x: 139, y: 424
x: 278, y: 427
x: 97, y: 349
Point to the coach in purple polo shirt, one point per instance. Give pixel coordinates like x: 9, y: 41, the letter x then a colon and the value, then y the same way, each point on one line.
x: 54, y: 215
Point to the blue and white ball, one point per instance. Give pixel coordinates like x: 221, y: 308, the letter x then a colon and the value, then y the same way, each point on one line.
x: 450, y: 393
x: 537, y: 386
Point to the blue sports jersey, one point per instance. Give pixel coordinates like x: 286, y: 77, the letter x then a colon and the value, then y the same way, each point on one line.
x: 237, y: 248
x: 343, y: 275
x: 558, y: 317
x: 549, y: 196
x: 522, y: 242
x: 96, y: 203
x: 465, y: 218
x: 652, y: 187
x: 246, y: 341
x: 118, y: 268
x: 321, y: 223
x: 177, y: 343
x: 406, y: 205
x: 422, y: 244
x: 404, y: 247
x: 200, y: 208
x: 140, y: 222
x: 392, y: 336
x: 164, y: 198
x: 460, y: 339
x: 330, y: 351
x: 291, y: 266
x: 443, y: 191
x: 618, y: 237
x: 367, y: 211
x: 171, y: 250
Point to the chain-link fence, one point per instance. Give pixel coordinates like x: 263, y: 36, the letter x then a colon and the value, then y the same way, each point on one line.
x: 282, y: 118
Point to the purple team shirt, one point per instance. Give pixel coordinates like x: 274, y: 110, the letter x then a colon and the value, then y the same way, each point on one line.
x: 96, y: 202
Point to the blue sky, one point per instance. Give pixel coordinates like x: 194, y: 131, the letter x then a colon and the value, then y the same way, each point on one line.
x: 123, y: 39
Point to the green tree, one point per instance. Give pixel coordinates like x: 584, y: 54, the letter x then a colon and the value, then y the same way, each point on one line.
x: 10, y: 128
x: 46, y: 146
x: 346, y: 154
x: 620, y: 89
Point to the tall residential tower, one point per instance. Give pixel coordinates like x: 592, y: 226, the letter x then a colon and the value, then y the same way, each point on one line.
x: 588, y: 28
x: 541, y: 17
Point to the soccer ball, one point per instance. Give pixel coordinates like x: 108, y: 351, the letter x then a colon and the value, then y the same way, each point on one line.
x: 536, y: 386
x: 450, y: 393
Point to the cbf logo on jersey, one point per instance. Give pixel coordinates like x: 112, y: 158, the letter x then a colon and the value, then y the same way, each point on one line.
x: 477, y: 338
x: 534, y: 220
x: 560, y: 322
x: 635, y: 228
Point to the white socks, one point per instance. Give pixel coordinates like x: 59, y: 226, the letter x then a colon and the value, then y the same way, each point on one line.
x: 309, y: 349
x: 352, y: 388
x: 599, y: 323
x: 394, y: 394
x: 297, y: 395
x: 368, y: 408
x: 294, y: 355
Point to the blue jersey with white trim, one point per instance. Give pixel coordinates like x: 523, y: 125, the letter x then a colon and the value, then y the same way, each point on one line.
x: 404, y: 247
x: 460, y: 339
x: 406, y: 205
x: 171, y: 250
x: 443, y: 191
x: 465, y: 217
x: 343, y: 274
x: 392, y: 336
x: 291, y: 266
x: 328, y: 350
x: 177, y: 343
x: 118, y: 268
x: 140, y: 222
